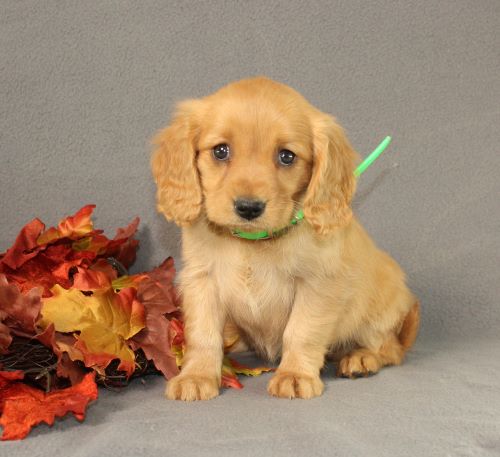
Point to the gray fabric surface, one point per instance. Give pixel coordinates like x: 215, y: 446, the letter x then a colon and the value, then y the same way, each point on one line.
x: 85, y: 85
x: 443, y: 402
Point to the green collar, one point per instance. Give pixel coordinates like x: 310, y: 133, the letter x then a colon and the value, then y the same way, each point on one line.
x: 265, y: 235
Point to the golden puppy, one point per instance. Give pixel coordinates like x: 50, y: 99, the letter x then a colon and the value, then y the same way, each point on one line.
x: 247, y: 158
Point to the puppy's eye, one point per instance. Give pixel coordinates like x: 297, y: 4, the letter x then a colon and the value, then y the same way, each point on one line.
x: 221, y: 152
x: 286, y: 157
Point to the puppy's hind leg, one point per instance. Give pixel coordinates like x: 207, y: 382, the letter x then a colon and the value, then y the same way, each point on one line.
x: 365, y: 361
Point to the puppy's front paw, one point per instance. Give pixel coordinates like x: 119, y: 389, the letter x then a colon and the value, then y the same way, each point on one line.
x: 190, y: 387
x: 286, y: 384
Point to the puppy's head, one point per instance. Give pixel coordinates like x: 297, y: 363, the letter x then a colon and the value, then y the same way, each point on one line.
x: 249, y: 156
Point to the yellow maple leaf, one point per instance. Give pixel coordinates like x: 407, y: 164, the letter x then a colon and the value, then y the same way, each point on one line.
x: 104, y: 320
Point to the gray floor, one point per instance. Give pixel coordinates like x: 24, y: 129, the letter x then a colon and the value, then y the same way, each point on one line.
x: 83, y: 88
x: 443, y: 402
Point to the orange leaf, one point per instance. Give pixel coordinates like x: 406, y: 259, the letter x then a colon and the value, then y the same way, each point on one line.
x: 90, y: 279
x: 23, y: 406
x: 105, y: 267
x: 72, y: 227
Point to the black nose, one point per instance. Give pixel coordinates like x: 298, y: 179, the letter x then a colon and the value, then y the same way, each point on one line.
x: 249, y: 209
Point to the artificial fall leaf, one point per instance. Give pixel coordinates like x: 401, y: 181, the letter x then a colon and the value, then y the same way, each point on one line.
x: 154, y: 341
x: 229, y: 377
x: 94, y: 242
x: 232, y: 368
x: 68, y: 366
x: 72, y: 227
x: 239, y: 368
x: 104, y: 320
x: 86, y: 279
x: 23, y: 406
x: 25, y: 247
x: 105, y: 267
x: 122, y: 247
x: 74, y: 259
x: 61, y: 345
x: 156, y: 292
x: 5, y: 336
x: 126, y: 281
x: 176, y: 338
x: 19, y: 311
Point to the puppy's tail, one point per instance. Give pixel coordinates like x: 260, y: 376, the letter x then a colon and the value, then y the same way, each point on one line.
x: 409, y: 328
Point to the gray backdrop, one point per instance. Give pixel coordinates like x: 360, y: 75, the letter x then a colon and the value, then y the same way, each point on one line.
x: 85, y: 85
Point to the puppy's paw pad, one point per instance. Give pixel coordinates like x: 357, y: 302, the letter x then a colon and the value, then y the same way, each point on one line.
x: 358, y: 364
x: 192, y: 387
x: 295, y: 385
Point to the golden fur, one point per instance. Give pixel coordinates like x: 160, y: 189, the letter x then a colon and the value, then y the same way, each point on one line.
x: 322, y: 287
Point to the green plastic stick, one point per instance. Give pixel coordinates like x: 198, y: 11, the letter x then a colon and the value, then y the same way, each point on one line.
x: 373, y: 156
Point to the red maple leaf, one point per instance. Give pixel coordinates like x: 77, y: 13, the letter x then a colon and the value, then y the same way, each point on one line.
x: 23, y: 406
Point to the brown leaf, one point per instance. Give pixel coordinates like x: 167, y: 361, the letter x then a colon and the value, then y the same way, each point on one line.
x: 66, y: 368
x: 157, y: 293
x: 154, y: 341
x: 20, y: 311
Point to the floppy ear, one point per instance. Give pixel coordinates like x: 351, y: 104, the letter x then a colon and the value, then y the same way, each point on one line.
x: 327, y: 203
x: 174, y: 169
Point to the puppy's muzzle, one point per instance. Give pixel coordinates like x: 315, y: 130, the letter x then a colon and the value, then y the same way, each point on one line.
x: 249, y: 209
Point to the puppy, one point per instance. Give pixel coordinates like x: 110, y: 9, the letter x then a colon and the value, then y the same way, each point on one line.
x: 248, y: 158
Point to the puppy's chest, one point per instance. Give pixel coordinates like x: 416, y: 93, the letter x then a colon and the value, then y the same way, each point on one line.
x: 259, y: 295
